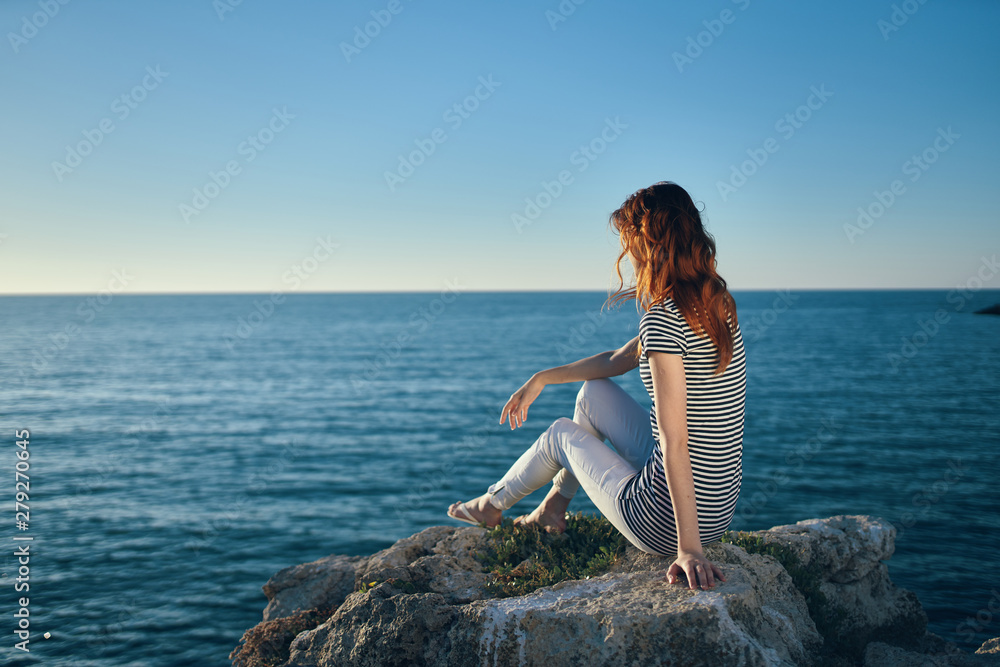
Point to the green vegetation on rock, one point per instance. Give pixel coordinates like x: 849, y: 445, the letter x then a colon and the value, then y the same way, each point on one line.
x: 525, y: 558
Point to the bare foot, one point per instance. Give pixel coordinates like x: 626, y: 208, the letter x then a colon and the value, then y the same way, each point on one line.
x: 552, y: 522
x: 480, y: 509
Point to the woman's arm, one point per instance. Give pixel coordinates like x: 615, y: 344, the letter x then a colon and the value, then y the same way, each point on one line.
x: 603, y: 365
x: 670, y: 399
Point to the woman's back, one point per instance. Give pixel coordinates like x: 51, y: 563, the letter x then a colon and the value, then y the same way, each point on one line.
x: 715, y: 411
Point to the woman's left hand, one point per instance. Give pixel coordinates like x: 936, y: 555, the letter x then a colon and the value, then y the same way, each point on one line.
x: 698, y: 570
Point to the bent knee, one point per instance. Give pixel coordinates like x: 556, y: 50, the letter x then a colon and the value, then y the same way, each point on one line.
x: 590, y: 388
x: 560, y: 429
x: 563, y: 423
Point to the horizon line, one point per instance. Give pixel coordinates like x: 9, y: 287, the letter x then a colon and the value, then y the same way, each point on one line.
x: 475, y: 291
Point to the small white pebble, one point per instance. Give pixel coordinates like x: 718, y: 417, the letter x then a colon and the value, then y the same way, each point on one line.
x: 47, y: 635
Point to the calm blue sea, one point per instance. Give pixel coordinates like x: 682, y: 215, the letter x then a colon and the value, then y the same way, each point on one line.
x: 185, y: 448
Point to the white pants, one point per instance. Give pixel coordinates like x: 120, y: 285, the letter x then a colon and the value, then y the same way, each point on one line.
x: 572, y: 453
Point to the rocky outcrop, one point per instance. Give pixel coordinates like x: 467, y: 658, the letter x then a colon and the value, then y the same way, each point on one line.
x: 848, y: 553
x: 424, y: 601
x: 310, y: 585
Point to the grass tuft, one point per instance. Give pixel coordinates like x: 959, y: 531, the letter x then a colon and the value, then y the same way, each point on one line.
x: 525, y: 558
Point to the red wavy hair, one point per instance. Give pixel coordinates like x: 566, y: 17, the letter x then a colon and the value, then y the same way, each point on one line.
x: 675, y: 258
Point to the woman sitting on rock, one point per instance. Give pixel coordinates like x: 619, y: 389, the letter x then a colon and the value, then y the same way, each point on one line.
x: 671, y: 483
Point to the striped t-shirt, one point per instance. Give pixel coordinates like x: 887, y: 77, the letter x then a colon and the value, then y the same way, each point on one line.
x: 715, y: 408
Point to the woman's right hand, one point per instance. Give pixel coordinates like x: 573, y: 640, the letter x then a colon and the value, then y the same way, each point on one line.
x: 516, y: 409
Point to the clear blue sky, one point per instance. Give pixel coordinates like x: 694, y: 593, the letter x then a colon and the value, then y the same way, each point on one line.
x: 555, y: 86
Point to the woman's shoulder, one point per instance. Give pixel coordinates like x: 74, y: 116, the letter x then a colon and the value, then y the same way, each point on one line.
x: 663, y: 321
x: 665, y: 310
